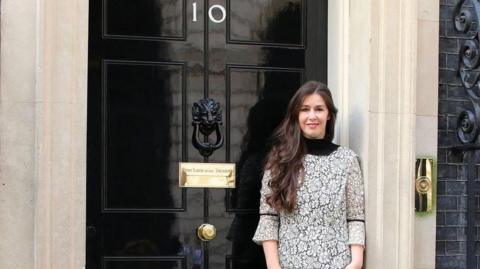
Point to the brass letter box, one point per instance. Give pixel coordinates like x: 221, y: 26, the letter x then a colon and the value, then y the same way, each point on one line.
x: 206, y: 175
x: 423, y: 185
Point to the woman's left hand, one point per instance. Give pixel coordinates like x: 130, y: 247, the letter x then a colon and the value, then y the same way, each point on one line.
x: 357, y: 257
x: 353, y: 266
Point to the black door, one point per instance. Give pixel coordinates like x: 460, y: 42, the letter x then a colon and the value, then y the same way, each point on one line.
x: 149, y: 62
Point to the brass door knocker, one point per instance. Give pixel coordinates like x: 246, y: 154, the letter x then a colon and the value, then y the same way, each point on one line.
x: 207, y: 117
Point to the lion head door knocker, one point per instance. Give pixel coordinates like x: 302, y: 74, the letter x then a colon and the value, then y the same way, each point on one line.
x: 207, y: 117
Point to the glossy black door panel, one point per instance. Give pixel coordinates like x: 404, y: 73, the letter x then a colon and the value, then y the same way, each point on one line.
x: 256, y: 104
x: 142, y: 131
x: 141, y: 235
x: 149, y: 62
x: 274, y: 22
x: 148, y: 19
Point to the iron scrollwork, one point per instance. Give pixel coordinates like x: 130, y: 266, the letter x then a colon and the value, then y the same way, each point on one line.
x: 207, y: 118
x: 466, y: 22
x: 467, y: 129
x: 463, y: 20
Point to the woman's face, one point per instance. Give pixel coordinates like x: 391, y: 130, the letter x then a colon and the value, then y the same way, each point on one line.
x: 313, y: 116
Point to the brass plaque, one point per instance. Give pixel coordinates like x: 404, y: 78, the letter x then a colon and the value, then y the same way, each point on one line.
x: 206, y: 175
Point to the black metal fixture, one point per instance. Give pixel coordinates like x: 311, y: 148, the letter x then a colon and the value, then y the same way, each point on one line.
x: 467, y: 129
x: 207, y: 117
x: 463, y: 20
x: 466, y: 21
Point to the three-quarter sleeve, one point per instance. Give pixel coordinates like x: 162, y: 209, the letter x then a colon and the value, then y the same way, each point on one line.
x: 355, y: 204
x: 267, y: 228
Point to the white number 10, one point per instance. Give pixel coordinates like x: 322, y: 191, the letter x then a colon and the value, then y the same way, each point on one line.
x: 210, y: 13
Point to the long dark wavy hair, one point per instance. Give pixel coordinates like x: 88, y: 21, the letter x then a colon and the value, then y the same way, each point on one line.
x: 285, y: 158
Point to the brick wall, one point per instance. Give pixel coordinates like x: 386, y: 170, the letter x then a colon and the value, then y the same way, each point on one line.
x: 452, y: 183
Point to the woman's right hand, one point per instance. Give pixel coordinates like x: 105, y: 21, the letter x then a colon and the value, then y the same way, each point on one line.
x: 270, y: 248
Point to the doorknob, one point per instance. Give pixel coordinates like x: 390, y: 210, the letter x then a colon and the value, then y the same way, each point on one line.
x: 206, y: 232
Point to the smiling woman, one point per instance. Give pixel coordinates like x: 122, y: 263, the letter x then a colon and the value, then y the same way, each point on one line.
x: 312, y: 198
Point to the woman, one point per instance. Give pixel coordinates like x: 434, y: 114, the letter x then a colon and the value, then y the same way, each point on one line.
x: 312, y: 199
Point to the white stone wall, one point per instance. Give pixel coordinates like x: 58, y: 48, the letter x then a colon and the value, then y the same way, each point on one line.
x: 43, y: 133
x: 17, y: 140
x: 426, y: 121
x: 383, y: 71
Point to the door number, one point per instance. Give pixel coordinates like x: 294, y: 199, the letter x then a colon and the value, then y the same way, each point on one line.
x: 210, y: 13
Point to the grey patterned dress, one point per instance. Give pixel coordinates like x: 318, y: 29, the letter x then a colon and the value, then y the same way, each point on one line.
x: 329, y: 215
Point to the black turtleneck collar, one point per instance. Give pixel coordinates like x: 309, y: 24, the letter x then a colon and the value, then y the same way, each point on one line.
x: 320, y: 147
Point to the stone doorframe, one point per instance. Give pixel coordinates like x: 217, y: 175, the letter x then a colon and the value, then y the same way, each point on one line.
x: 373, y: 72
x: 384, y: 72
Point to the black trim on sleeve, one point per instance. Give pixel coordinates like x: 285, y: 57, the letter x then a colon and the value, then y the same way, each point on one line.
x: 349, y: 220
x: 268, y: 214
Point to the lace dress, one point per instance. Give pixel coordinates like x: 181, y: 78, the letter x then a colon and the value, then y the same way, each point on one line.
x: 329, y: 215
